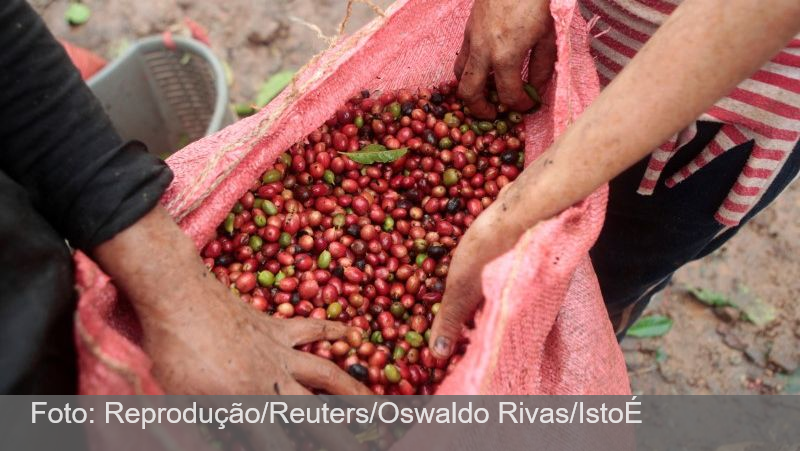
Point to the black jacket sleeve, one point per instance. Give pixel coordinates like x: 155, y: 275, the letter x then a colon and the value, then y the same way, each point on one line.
x: 56, y: 141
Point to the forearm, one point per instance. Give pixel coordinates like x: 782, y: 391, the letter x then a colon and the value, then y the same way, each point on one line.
x: 202, y: 339
x: 157, y: 267
x: 700, y: 54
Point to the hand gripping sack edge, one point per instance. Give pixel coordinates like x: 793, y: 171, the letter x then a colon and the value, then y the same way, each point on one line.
x: 543, y: 328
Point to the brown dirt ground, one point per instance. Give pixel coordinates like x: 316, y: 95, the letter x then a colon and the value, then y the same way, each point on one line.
x: 707, y: 351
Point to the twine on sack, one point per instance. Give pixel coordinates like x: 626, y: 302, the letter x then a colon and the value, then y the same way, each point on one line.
x: 375, y: 8
x: 336, y: 49
x: 342, y: 25
x: 593, y: 23
x: 315, y: 28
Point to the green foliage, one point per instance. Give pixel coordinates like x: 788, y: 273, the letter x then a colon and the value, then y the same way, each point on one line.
x: 77, y: 14
x: 650, y: 326
x: 710, y: 298
x: 273, y: 86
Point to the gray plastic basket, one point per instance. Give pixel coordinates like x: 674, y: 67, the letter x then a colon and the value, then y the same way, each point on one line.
x: 164, y: 97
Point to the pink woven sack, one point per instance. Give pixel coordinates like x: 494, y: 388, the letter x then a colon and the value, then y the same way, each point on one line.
x: 543, y: 328
x: 88, y: 63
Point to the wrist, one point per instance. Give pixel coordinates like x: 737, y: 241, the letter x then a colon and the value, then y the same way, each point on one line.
x: 155, y: 265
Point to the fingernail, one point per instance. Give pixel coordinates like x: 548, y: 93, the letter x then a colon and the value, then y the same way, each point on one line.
x: 442, y: 346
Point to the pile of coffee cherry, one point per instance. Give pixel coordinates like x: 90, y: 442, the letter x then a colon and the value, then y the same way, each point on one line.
x: 358, y: 222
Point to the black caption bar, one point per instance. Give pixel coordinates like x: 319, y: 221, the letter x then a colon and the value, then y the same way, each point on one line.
x: 400, y: 423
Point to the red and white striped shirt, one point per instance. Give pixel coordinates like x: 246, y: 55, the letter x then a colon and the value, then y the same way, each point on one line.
x: 764, y: 109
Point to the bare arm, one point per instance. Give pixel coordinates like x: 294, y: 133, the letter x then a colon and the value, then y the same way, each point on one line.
x: 201, y: 338
x: 701, y: 53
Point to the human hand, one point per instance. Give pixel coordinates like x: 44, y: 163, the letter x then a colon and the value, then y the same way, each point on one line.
x: 224, y: 346
x: 204, y: 340
x: 498, y: 36
x: 489, y: 236
x: 228, y: 347
x: 200, y: 337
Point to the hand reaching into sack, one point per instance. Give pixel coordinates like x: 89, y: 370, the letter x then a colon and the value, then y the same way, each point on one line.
x: 614, y: 132
x: 497, y: 38
x: 492, y: 234
x: 201, y: 338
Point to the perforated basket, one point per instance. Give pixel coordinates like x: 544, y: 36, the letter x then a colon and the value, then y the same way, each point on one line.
x: 164, y: 96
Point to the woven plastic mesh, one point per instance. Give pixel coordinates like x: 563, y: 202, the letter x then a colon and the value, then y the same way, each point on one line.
x: 543, y: 328
x: 185, y: 84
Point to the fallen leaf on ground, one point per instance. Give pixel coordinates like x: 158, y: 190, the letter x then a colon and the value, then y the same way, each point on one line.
x: 755, y: 309
x: 77, y: 14
x: 710, y: 298
x: 650, y: 326
x: 272, y: 87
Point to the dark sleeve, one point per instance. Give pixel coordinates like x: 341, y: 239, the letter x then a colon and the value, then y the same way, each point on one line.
x: 56, y: 141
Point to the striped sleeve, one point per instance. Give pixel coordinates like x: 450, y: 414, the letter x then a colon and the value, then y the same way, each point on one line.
x: 764, y: 109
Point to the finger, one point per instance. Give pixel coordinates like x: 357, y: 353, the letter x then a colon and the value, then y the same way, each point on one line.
x: 463, y: 53
x: 473, y: 81
x: 508, y: 79
x: 461, y: 58
x: 461, y: 298
x: 543, y: 60
x: 323, y: 374
x: 298, y: 331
